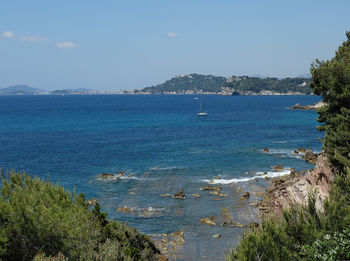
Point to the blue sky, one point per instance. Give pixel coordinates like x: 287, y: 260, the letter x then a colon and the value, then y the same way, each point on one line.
x: 112, y: 45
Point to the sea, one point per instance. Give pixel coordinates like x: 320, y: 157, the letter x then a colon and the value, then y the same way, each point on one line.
x: 163, y: 147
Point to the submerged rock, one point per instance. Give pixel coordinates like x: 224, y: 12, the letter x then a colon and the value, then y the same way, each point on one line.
x: 302, y: 150
x: 125, y: 209
x: 246, y: 194
x: 215, y: 192
x: 165, y: 195
x: 180, y: 194
x: 105, y: 176
x: 211, y: 188
x: 209, y: 221
x: 278, y: 167
x: 196, y: 195
x: 109, y: 176
x: 216, y: 236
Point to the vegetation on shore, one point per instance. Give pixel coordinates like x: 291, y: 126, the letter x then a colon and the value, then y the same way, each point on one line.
x: 256, y: 85
x: 193, y: 83
x: 196, y: 83
x: 303, y: 233
x: 41, y: 220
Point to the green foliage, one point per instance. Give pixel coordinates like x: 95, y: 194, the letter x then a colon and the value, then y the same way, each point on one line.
x: 279, y: 238
x: 302, y: 233
x: 208, y: 83
x: 37, y: 216
x: 192, y: 82
x: 329, y: 248
x: 331, y: 80
x: 256, y: 85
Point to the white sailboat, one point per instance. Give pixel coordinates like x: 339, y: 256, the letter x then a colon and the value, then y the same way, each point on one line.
x: 201, y: 113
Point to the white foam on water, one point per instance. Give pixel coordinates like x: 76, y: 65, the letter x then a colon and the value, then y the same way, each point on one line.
x: 285, y: 152
x: 163, y: 168
x: 135, y: 178
x: 259, y: 175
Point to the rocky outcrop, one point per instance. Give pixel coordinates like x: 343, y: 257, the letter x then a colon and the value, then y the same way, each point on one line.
x: 108, y: 176
x: 209, y: 221
x: 180, y: 195
x: 295, y: 189
x: 310, y: 156
x: 308, y: 107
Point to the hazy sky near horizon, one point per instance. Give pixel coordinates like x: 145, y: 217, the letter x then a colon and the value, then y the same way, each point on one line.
x: 112, y: 45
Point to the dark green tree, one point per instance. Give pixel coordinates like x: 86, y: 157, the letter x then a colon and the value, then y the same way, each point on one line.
x: 331, y: 80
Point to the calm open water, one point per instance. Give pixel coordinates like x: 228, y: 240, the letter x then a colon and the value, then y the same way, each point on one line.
x: 163, y: 146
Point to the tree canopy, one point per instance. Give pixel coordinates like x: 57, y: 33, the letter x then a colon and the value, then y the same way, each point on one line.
x: 331, y: 80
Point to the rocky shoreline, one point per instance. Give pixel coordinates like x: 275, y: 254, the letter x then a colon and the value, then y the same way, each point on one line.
x: 308, y: 107
x: 295, y: 189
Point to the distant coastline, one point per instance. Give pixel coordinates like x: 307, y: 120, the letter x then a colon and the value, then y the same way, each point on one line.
x: 192, y: 84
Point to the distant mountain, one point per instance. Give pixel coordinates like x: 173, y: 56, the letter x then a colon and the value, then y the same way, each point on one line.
x: 187, y: 84
x: 21, y: 89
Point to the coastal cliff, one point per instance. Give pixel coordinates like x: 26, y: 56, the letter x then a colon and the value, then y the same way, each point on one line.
x: 295, y: 189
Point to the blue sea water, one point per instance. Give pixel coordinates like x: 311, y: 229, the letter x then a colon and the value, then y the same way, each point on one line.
x: 163, y: 146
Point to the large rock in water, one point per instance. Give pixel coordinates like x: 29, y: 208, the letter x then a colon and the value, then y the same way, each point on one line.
x: 209, y: 221
x: 180, y: 195
x: 308, y: 107
x: 278, y: 168
x: 291, y: 191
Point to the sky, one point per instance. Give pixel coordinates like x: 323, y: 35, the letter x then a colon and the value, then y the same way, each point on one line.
x: 131, y: 44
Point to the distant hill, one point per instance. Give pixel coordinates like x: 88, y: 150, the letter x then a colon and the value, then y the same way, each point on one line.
x: 73, y: 91
x: 236, y: 85
x: 189, y: 83
x: 21, y: 89
x: 255, y: 85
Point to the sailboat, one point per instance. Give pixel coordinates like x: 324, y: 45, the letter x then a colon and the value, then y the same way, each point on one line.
x: 201, y: 113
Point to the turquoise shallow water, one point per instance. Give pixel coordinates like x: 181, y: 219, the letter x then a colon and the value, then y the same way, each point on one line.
x: 163, y: 146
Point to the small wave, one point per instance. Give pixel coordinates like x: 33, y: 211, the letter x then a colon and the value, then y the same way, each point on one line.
x: 285, y: 153
x: 163, y: 168
x: 135, y: 178
x: 259, y: 175
x: 142, y: 212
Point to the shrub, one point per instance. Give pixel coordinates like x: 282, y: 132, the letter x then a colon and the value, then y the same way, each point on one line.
x: 38, y: 217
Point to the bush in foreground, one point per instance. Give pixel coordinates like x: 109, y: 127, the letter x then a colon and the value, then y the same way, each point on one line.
x: 38, y: 218
x: 302, y: 233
